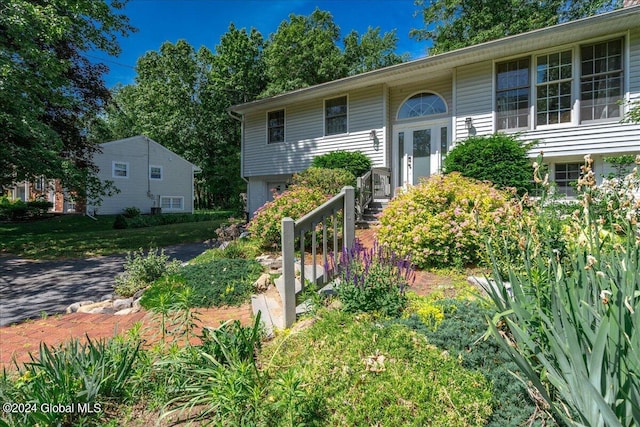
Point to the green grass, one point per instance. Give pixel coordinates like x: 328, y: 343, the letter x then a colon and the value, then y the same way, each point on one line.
x: 73, y: 236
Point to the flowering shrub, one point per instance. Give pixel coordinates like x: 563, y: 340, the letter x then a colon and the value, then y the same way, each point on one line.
x: 294, y: 203
x: 373, y: 280
x: 330, y: 181
x: 439, y: 221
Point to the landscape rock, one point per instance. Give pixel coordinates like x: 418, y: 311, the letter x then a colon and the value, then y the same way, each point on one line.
x: 107, y: 297
x: 263, y: 282
x: 138, y: 294
x: 121, y: 304
x: 125, y: 311
x: 90, y: 307
x: 76, y: 305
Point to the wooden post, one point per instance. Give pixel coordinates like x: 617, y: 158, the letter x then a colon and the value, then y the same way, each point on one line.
x: 288, y: 295
x: 349, y: 216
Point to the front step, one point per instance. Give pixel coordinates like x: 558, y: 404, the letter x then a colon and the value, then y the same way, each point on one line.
x: 270, y: 304
x: 372, y: 212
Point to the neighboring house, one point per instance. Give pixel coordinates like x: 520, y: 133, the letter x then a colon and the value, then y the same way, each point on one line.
x: 46, y: 189
x: 148, y: 176
x: 566, y: 86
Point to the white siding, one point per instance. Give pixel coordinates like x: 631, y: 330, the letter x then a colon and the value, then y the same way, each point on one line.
x: 304, y: 139
x: 138, y: 190
x: 474, y: 98
x: 634, y: 65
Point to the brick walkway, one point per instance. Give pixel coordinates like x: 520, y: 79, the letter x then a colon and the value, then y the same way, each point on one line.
x: 17, y: 341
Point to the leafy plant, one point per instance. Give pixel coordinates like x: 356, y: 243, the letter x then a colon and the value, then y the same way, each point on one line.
x: 439, y: 221
x: 576, y: 338
x: 372, y: 280
x: 294, y: 203
x: 330, y: 181
x: 74, y: 373
x: 141, y: 269
x: 131, y: 212
x: 353, y: 161
x: 231, y: 341
x: 499, y: 158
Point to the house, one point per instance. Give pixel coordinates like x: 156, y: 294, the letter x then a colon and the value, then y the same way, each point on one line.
x: 49, y: 190
x: 567, y: 86
x: 149, y: 176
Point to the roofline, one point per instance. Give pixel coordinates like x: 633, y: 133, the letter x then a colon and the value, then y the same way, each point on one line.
x: 195, y: 167
x: 595, y: 21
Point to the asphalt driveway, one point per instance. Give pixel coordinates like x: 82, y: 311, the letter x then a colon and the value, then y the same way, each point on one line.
x: 28, y: 288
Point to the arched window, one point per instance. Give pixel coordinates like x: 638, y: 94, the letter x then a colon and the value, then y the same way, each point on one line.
x: 422, y: 104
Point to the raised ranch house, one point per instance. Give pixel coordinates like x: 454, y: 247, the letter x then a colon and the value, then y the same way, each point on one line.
x: 567, y: 86
x: 149, y: 176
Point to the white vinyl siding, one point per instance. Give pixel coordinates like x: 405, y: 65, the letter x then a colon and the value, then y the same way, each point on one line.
x: 172, y: 203
x: 474, y: 99
x: 305, y: 137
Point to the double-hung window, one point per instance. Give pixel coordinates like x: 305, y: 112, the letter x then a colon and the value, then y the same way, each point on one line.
x: 601, y: 80
x: 335, y: 113
x: 512, y: 94
x: 120, y: 169
x: 155, y: 172
x: 275, y: 125
x: 170, y: 203
x: 553, y: 88
x: 566, y: 177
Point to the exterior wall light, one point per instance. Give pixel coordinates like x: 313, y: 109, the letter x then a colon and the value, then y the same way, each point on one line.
x: 468, y: 123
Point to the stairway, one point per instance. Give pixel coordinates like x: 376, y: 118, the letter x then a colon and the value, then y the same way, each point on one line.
x: 269, y: 303
x: 371, y: 213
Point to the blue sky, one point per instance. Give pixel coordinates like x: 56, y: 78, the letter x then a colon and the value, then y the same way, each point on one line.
x: 203, y: 22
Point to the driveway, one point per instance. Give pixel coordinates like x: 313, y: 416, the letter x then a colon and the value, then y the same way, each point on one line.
x: 30, y: 288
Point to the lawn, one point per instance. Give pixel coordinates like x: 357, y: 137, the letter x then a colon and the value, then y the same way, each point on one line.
x: 75, y: 236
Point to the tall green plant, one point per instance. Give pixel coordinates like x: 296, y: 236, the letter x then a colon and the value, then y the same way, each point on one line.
x: 575, y: 324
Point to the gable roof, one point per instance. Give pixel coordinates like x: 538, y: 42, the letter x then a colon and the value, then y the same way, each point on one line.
x: 147, y: 139
x: 569, y: 32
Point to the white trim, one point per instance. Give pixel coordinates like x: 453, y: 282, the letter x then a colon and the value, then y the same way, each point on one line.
x: 427, y: 117
x: 113, y: 169
x: 171, y: 208
x: 324, y: 115
x: 161, y: 173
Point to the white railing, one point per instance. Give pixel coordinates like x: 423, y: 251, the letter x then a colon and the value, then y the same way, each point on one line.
x: 323, y: 216
x: 375, y: 184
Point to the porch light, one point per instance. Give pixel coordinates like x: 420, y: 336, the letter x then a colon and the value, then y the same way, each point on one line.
x: 468, y: 123
x: 372, y: 135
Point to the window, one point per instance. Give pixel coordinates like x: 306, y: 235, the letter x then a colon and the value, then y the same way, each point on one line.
x: 155, y: 172
x: 422, y: 104
x: 566, y: 176
x: 601, y: 80
x: 120, y: 170
x: 172, y: 203
x: 38, y: 184
x: 275, y: 125
x: 512, y: 94
x: 553, y: 88
x: 335, y: 113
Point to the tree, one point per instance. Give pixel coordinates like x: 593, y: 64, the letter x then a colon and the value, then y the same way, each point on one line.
x: 49, y: 87
x: 453, y: 24
x: 370, y: 51
x: 303, y: 52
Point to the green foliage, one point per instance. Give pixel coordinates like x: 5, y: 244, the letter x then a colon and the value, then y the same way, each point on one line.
x: 353, y: 161
x: 131, y: 212
x: 123, y: 221
x: 214, y: 283
x: 297, y: 201
x: 372, y: 280
x: 439, y: 221
x: 120, y: 223
x: 460, y: 23
x: 242, y: 248
x: 231, y: 341
x: 357, y: 372
x: 90, y: 373
x: 50, y: 85
x: 371, y: 51
x: 499, y: 158
x: 458, y: 326
x: 574, y: 321
x: 330, y: 181
x: 15, y: 210
x: 141, y: 269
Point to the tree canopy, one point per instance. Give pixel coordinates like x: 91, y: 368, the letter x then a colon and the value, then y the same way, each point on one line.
x: 49, y: 86
x: 453, y: 24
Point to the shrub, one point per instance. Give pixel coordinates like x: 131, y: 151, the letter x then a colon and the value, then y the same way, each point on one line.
x: 120, y: 223
x: 330, y: 181
x: 498, y: 158
x: 14, y: 210
x: 297, y: 201
x: 458, y: 327
x: 131, y: 212
x: 140, y: 270
x: 439, y: 221
x: 372, y: 280
x: 353, y: 161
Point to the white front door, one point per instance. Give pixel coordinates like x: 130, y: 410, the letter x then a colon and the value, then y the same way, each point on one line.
x: 420, y: 150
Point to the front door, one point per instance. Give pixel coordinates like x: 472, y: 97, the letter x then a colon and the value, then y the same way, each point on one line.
x: 420, y: 150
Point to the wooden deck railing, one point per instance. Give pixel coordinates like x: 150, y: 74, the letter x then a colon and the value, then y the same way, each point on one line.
x: 375, y: 184
x: 344, y: 202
